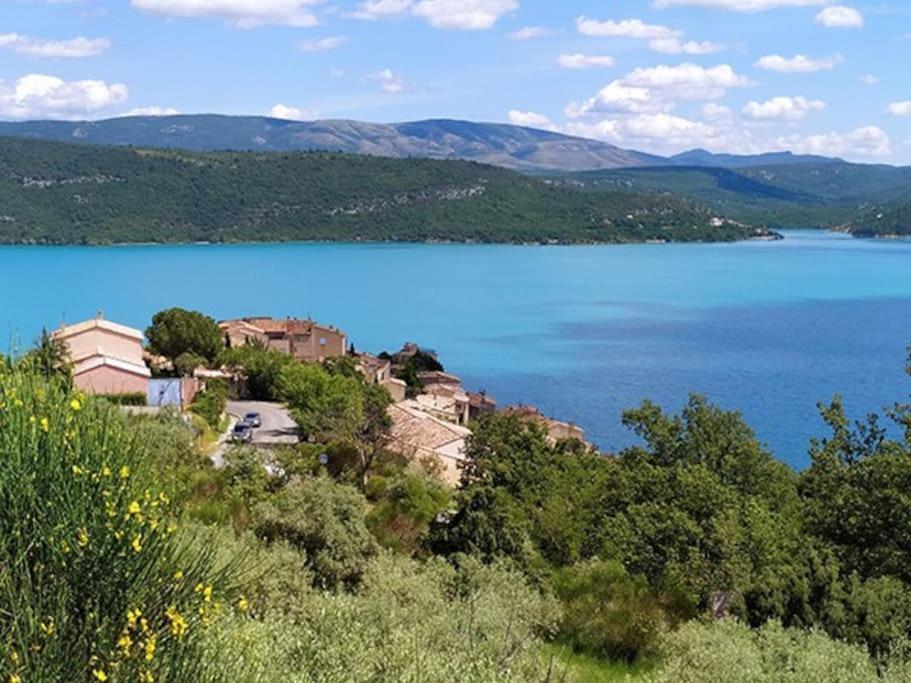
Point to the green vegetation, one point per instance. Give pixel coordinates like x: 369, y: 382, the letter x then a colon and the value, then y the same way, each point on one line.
x: 825, y: 195
x: 96, y: 584
x: 210, y: 403
x: 695, y: 556
x: 187, y: 338
x: 54, y: 193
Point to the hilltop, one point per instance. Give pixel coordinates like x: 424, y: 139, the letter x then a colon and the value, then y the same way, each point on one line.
x: 55, y: 193
x: 517, y: 147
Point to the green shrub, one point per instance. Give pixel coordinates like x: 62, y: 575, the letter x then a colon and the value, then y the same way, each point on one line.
x: 405, y: 505
x: 210, y: 404
x: 730, y: 651
x: 609, y: 613
x: 131, y: 399
x: 407, y: 621
x: 94, y: 582
x: 325, y: 520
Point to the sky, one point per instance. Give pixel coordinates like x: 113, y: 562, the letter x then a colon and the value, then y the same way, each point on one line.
x: 661, y: 76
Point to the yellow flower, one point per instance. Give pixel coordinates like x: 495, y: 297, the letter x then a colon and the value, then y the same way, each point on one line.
x: 75, y: 404
x: 100, y: 675
x: 178, y: 575
x: 133, y: 616
x: 243, y: 605
x: 125, y: 642
x: 136, y: 544
x: 145, y: 676
x: 13, y: 678
x: 150, y: 647
x: 82, y: 538
x: 105, y: 471
x: 164, y: 498
x: 124, y: 472
x: 207, y: 594
x: 179, y: 625
x: 14, y: 657
x: 135, y: 508
x: 45, y: 425
x: 47, y: 626
x: 78, y: 470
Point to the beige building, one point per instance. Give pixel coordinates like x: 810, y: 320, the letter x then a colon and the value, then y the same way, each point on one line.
x: 379, y: 371
x: 445, y: 401
x: 305, y: 340
x: 107, y: 357
x: 556, y: 430
x: 428, y: 441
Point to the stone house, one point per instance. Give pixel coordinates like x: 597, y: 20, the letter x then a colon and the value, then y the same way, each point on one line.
x: 305, y: 340
x: 427, y: 441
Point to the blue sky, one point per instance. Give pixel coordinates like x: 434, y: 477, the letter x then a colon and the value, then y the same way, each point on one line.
x: 657, y: 75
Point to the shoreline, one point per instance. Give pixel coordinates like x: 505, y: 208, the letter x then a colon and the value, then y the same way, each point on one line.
x: 771, y: 236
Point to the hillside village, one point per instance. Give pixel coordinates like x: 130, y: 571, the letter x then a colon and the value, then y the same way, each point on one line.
x: 430, y: 414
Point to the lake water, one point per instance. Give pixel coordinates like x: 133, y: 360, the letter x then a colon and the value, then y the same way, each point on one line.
x: 769, y: 328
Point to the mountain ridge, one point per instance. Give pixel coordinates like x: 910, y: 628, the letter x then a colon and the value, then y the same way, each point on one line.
x: 516, y: 147
x: 522, y: 148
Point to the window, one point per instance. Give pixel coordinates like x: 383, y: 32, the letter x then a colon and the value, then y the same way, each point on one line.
x: 322, y: 341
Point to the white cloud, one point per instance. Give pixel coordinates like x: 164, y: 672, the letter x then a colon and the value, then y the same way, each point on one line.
x: 650, y: 90
x: 530, y: 32
x: 151, y: 111
x: 869, y: 141
x: 39, y: 47
x: 688, y: 81
x: 580, y: 61
x: 531, y: 119
x: 712, y: 111
x: 782, y: 109
x: 739, y: 5
x: 665, y: 132
x: 465, y: 15
x: 390, y: 82
x: 627, y: 28
x: 840, y: 16
x: 321, y: 44
x: 675, y: 46
x: 617, y: 97
x: 241, y: 13
x: 382, y: 9
x: 797, y: 63
x: 869, y: 79
x: 38, y: 95
x: 900, y: 108
x: 282, y: 111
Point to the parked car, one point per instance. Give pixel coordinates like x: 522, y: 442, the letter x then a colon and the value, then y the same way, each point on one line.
x: 242, y: 433
x: 254, y: 420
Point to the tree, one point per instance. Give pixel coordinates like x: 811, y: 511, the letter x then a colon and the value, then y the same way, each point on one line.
x: 50, y: 357
x: 324, y: 520
x: 176, y: 331
x: 334, y: 407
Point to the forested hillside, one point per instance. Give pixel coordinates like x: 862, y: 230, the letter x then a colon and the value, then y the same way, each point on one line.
x: 55, y: 193
x: 826, y: 195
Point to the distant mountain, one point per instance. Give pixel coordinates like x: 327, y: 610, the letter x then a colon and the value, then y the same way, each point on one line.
x: 516, y: 147
x: 702, y: 157
x: 829, y: 194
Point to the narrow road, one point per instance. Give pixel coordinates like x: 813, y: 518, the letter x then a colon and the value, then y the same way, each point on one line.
x: 278, y: 427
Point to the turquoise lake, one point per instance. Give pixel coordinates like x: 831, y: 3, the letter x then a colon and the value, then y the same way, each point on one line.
x: 769, y: 328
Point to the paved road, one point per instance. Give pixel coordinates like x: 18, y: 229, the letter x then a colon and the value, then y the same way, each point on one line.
x: 278, y: 426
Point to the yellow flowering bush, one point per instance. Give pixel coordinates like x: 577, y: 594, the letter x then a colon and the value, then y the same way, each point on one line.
x: 94, y: 583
